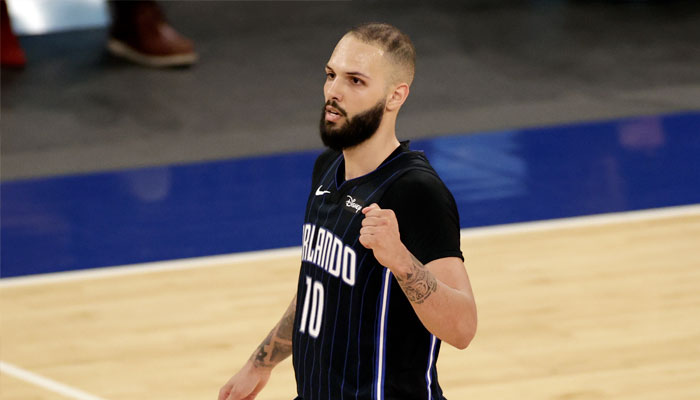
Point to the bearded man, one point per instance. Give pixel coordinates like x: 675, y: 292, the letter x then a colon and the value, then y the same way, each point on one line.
x: 382, y: 280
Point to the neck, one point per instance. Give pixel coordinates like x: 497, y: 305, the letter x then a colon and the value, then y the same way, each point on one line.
x: 368, y: 155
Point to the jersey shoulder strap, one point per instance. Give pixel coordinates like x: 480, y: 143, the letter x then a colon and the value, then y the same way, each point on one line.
x: 395, y: 168
x: 405, y: 162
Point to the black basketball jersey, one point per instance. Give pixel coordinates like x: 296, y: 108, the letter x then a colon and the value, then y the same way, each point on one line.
x: 356, y: 335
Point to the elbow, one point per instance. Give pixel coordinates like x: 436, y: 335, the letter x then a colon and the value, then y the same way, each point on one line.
x: 465, y: 338
x: 466, y: 332
x: 462, y: 335
x: 462, y: 345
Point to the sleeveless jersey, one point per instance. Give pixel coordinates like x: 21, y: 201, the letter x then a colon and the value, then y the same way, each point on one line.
x: 356, y: 335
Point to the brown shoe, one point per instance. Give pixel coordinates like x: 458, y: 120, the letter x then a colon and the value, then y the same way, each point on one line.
x: 11, y: 54
x: 140, y: 33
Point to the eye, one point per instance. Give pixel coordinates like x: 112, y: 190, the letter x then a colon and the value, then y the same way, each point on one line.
x: 330, y: 75
x: 357, y: 81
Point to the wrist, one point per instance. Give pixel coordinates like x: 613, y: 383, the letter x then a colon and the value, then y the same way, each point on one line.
x: 259, y: 366
x: 403, y: 264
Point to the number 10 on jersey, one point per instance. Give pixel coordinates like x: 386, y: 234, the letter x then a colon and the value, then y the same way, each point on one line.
x: 314, y: 295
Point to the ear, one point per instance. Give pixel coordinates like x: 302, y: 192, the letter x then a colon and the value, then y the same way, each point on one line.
x: 397, y: 97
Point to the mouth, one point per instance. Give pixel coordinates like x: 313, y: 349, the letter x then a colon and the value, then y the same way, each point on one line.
x: 332, y: 115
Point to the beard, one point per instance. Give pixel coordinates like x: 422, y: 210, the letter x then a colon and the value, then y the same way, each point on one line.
x: 355, y: 130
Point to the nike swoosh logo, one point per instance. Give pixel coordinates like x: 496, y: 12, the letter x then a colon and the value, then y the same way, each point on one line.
x: 320, y: 192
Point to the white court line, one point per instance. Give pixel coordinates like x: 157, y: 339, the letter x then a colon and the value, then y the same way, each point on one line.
x: 583, y: 221
x: 213, y: 261
x: 134, y: 269
x: 46, y: 383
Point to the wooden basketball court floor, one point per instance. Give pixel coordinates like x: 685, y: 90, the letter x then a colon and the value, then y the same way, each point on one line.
x: 603, y: 307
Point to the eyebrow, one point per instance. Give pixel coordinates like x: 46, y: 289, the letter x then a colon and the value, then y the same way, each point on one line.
x: 351, y: 73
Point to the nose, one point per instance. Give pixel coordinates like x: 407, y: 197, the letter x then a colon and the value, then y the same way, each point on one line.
x: 333, y: 90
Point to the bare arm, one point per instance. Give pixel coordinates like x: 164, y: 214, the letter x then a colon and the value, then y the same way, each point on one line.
x: 277, y: 346
x: 439, y: 292
x: 441, y: 296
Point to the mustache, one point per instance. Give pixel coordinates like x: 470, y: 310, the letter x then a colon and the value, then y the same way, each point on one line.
x: 335, y: 105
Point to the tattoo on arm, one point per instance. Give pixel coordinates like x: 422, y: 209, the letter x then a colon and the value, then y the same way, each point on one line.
x: 418, y: 283
x: 278, y: 344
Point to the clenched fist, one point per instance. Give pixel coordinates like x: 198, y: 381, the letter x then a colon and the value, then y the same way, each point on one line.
x: 380, y: 233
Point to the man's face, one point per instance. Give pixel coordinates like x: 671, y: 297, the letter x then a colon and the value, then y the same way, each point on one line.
x: 355, y: 91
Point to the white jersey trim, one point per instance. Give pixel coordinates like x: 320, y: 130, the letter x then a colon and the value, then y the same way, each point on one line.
x: 379, y: 384
x: 428, y: 374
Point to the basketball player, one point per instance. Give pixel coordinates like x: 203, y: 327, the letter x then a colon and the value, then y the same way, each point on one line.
x: 382, y: 278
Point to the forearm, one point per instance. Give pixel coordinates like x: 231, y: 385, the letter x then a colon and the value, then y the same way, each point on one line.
x: 447, y: 312
x: 278, y: 344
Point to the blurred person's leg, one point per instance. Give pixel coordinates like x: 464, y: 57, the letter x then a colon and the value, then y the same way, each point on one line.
x: 12, y: 54
x: 140, y: 33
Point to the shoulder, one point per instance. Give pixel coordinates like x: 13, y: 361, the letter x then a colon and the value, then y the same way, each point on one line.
x: 419, y: 177
x: 426, y: 213
x: 416, y: 172
x: 420, y: 192
x: 419, y: 185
